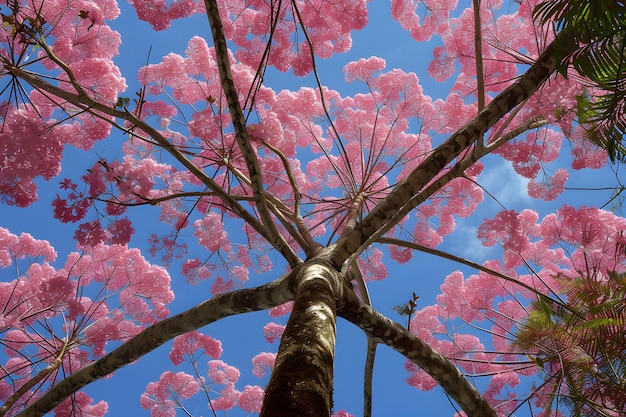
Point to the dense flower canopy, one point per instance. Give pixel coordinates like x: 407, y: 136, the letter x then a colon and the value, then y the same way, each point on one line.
x: 250, y: 180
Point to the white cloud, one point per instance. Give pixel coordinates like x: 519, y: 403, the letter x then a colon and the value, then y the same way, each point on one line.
x: 464, y: 243
x: 503, y: 183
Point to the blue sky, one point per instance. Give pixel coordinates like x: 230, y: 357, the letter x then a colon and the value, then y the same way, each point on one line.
x: 242, y: 336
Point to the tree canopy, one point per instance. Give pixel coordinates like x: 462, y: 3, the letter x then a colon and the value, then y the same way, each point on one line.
x: 232, y: 166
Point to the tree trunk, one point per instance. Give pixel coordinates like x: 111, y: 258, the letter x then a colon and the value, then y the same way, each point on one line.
x: 302, y: 381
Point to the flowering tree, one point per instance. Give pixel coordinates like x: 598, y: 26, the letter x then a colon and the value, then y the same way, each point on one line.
x: 310, y: 192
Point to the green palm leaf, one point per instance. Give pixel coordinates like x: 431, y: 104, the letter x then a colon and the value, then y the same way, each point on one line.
x: 598, y: 28
x: 582, y: 347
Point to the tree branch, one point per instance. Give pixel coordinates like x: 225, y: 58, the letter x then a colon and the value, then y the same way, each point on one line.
x: 398, y: 338
x: 467, y: 262
x: 370, y: 354
x: 480, y: 76
x: 92, y: 106
x: 239, y: 124
x: 401, y: 200
x: 236, y: 302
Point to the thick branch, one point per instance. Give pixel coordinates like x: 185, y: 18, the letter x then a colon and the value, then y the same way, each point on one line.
x: 478, y: 47
x: 41, y: 376
x: 233, y: 303
x: 239, y: 122
x: 400, y: 339
x: 400, y: 201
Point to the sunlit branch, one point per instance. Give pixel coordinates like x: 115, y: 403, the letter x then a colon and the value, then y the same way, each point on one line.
x: 398, y: 338
x: 94, y: 107
x: 480, y: 77
x: 353, y: 213
x: 236, y: 302
x: 402, y: 199
x: 239, y: 125
x: 41, y: 375
x: 467, y: 262
x: 79, y: 89
x: 277, y: 207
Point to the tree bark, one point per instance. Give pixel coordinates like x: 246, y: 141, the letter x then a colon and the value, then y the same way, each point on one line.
x: 302, y: 380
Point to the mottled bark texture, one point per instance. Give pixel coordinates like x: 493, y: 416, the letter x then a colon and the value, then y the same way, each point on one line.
x: 386, y: 331
x: 302, y: 381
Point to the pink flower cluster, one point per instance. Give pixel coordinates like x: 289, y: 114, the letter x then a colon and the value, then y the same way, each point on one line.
x: 103, y: 296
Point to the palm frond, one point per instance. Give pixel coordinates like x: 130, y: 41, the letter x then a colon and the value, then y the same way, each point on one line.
x: 598, y: 28
x: 583, y: 347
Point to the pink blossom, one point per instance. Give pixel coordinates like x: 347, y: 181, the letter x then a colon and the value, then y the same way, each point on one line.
x: 512, y: 231
x: 80, y: 404
x: 160, y: 14
x: 550, y: 188
x: 419, y: 378
x: 263, y: 362
x: 30, y: 150
x: 400, y: 254
x: 189, y: 343
x: 273, y: 331
x: 161, y: 397
x: 372, y: 267
x: 497, y: 384
x: 586, y: 154
x: 330, y: 32
x: 227, y: 399
x: 95, y: 179
x: 251, y: 399
x: 210, y: 232
x: 120, y: 231
x: 407, y: 14
x: 221, y: 373
x: 90, y: 234
x: 222, y: 285
x: 342, y: 413
x: 195, y: 271
x: 281, y: 310
x: 23, y: 246
x: 363, y: 69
